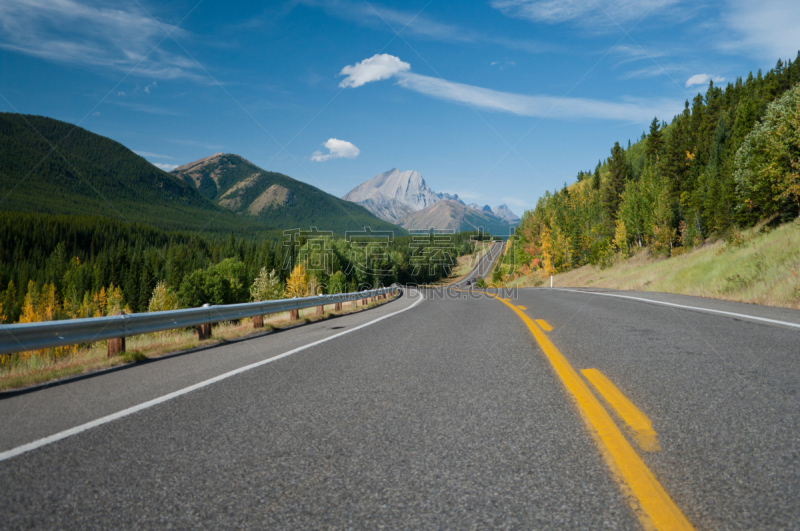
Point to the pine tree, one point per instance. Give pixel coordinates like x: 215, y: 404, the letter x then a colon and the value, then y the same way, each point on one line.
x: 654, y: 139
x: 616, y: 181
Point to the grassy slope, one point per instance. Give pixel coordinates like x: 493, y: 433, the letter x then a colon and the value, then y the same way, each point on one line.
x: 764, y: 269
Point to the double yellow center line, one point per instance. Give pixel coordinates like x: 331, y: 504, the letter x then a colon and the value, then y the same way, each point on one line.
x: 652, y: 505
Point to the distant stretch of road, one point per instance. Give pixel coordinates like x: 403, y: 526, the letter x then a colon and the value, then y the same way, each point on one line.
x: 439, y: 410
x: 484, y: 265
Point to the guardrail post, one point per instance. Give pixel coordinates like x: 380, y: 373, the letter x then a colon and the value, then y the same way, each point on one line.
x: 337, y: 307
x: 294, y: 315
x: 115, y: 345
x: 204, y: 330
x: 258, y: 321
x: 321, y: 310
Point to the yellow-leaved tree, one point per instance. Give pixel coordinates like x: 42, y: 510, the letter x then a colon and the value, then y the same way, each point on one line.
x: 621, y: 238
x: 297, y: 283
x: 163, y: 299
x: 547, y: 252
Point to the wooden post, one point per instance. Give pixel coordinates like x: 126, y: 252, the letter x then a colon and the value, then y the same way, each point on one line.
x: 115, y: 345
x: 258, y: 321
x: 321, y: 310
x: 338, y: 307
x: 204, y: 331
x: 294, y: 315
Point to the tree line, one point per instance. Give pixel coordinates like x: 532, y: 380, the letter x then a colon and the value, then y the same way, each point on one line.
x: 54, y: 267
x: 729, y: 160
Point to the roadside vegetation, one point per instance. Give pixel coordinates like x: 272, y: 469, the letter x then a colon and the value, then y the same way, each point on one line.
x: 759, y: 266
x: 705, y: 204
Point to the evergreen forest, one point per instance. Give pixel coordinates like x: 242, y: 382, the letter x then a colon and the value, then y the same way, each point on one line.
x: 59, y: 266
x: 730, y: 160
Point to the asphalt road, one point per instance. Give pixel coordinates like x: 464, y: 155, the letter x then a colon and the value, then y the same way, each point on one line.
x: 446, y: 415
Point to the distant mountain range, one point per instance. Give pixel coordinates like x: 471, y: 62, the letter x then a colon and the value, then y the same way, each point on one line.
x: 405, y: 199
x: 240, y: 186
x: 53, y: 167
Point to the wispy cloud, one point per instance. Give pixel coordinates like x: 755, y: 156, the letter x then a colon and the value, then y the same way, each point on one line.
x: 91, y: 35
x: 142, y: 107
x: 703, y: 79
x: 651, y: 71
x: 584, y: 12
x: 418, y: 24
x: 629, y: 110
x: 375, y: 15
x: 502, y: 65
x: 165, y: 167
x: 153, y: 155
x: 767, y: 29
x: 337, y: 149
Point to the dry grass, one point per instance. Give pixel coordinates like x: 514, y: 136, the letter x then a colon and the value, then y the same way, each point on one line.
x: 763, y: 268
x: 38, y: 368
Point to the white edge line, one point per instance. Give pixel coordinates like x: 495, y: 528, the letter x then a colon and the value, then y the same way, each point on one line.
x: 8, y: 454
x: 732, y: 314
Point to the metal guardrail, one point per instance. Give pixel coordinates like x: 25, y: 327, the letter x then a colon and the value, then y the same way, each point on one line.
x: 50, y: 334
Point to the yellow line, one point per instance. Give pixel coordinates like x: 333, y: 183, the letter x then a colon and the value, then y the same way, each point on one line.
x: 654, y: 508
x: 642, y: 428
x: 544, y: 324
x: 522, y: 307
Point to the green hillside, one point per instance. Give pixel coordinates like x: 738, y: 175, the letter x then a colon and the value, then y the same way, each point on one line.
x: 53, y: 167
x: 273, y: 198
x: 727, y: 162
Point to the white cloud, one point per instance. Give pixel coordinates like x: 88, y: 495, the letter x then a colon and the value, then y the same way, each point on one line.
x: 337, y: 149
x: 165, y: 167
x: 584, y: 11
x: 148, y: 87
x: 768, y: 29
x: 630, y: 110
x: 377, y: 67
x: 703, y: 79
x: 70, y: 32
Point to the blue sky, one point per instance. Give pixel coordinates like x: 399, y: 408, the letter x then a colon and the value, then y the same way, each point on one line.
x: 495, y: 100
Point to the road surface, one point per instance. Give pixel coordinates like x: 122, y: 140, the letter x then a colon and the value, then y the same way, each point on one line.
x: 447, y: 413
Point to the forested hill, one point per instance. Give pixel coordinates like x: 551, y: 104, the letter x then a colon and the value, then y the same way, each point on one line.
x: 275, y: 199
x: 53, y: 167
x: 729, y: 160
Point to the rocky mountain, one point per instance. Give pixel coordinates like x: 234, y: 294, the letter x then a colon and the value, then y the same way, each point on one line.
x: 395, y: 194
x: 404, y: 198
x: 501, y: 211
x: 240, y: 186
x: 505, y: 213
x: 452, y: 214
